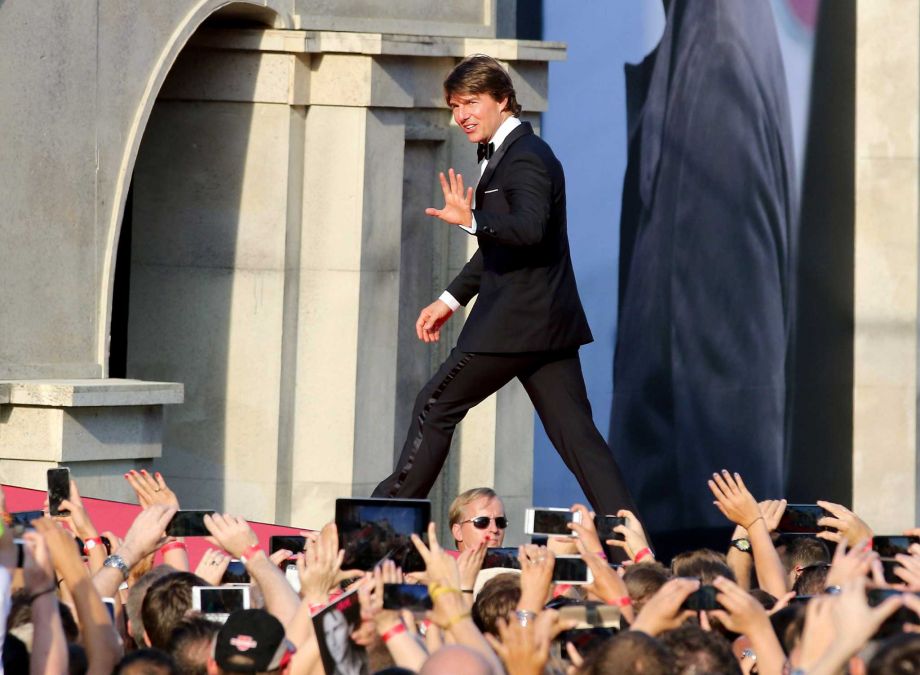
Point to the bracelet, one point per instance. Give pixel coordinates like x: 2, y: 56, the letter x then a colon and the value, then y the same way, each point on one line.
x: 314, y: 608
x: 90, y: 543
x: 455, y: 620
x: 625, y: 601
x: 35, y: 596
x: 437, y: 591
x: 250, y: 553
x: 643, y: 553
x: 173, y: 545
x: 467, y: 590
x: 525, y: 616
x: 748, y: 527
x: 394, y: 631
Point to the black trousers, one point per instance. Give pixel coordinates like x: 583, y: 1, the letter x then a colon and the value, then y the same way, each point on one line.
x: 555, y: 384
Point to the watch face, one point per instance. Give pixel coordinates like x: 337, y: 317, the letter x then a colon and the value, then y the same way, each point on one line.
x: 742, y: 545
x: 89, y: 544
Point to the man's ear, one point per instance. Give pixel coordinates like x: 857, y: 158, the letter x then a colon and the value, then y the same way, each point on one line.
x: 457, y: 530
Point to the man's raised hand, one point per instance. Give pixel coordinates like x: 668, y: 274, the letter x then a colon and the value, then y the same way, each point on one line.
x: 458, y: 201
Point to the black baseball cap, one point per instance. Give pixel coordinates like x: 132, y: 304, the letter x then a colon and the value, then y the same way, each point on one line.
x: 252, y: 641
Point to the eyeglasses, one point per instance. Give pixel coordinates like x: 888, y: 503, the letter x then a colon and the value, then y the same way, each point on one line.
x: 482, y: 522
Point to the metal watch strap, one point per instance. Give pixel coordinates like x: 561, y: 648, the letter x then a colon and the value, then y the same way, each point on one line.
x: 117, y: 562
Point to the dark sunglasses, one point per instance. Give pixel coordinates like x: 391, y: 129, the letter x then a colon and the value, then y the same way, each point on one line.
x: 482, y: 522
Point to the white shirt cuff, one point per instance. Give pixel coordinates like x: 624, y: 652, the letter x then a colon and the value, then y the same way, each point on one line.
x: 450, y: 300
x: 471, y: 229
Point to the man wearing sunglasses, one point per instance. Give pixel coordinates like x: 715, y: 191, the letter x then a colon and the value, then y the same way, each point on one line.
x: 478, y: 515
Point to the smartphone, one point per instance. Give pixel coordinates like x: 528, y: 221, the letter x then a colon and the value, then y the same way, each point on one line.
x: 585, y: 640
x: 292, y: 576
x: 888, y: 546
x: 219, y: 602
x: 605, y: 524
x: 802, y: 519
x: 58, y: 490
x: 501, y: 557
x: 23, y: 519
x: 572, y: 570
x: 188, y: 524
x: 110, y: 605
x: 20, y: 552
x: 550, y: 521
x: 290, y: 542
x: 235, y: 573
x: 895, y: 623
x: 413, y: 597
x: 373, y: 529
x: 590, y: 615
x: 702, y: 599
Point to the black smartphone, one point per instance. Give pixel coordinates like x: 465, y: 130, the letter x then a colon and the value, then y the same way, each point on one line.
x: 25, y: 518
x: 702, y: 599
x: 413, y: 597
x: 895, y: 623
x: 289, y: 542
x: 585, y: 640
x: 372, y: 530
x: 888, y: 546
x: 58, y: 490
x: 20, y: 552
x: 501, y: 557
x: 802, y: 519
x: 605, y: 524
x: 188, y: 524
x: 235, y: 573
x: 571, y: 569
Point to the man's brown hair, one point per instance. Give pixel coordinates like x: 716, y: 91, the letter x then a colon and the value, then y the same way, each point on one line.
x: 481, y: 74
x: 643, y: 580
x: 497, y: 599
x: 630, y: 652
x: 165, y: 605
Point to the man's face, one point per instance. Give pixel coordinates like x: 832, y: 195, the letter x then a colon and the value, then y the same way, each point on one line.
x: 468, y: 535
x: 478, y: 115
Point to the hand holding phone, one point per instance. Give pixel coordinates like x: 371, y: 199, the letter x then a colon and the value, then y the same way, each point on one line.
x: 551, y: 522
x: 188, y: 524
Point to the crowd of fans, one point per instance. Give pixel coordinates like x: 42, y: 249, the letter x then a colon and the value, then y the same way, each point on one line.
x: 822, y: 604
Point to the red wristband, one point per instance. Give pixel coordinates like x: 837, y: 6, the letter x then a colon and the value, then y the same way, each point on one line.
x: 250, y: 553
x: 314, y: 608
x: 96, y: 541
x: 625, y: 601
x: 395, y: 630
x: 173, y: 545
x: 642, y: 553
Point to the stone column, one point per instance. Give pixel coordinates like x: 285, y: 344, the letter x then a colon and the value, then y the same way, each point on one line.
x: 886, y: 258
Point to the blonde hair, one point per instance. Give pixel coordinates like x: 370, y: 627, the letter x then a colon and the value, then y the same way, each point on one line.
x: 455, y: 514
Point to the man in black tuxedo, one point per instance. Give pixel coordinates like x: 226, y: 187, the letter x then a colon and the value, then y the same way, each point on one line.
x: 528, y: 321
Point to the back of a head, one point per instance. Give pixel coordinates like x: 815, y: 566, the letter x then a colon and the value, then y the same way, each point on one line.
x: 802, y: 552
x: 497, y: 599
x: 146, y: 662
x: 812, y: 580
x: 628, y: 653
x: 898, y: 655
x: 166, y: 603
x: 643, y: 581
x: 456, y: 660
x: 136, y: 600
x: 482, y: 74
x: 698, y: 652
x: 703, y: 563
x: 190, y: 644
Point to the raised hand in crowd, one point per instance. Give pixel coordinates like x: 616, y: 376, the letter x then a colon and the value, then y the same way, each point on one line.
x: 234, y: 535
x: 837, y: 626
x: 635, y: 541
x: 320, y: 568
x: 389, y: 626
x: 100, y: 639
x: 848, y: 565
x: 151, y: 489
x: 586, y: 532
x: 607, y: 585
x: 663, y: 611
x: 848, y: 525
x: 523, y: 646
x: 737, y: 504
x: 743, y: 614
x: 212, y: 566
x: 470, y: 562
x: 49, y: 644
x: 450, y: 611
x: 742, y: 562
x: 537, y: 564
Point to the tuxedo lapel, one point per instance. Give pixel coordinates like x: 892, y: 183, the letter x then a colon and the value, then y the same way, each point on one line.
x: 500, y: 151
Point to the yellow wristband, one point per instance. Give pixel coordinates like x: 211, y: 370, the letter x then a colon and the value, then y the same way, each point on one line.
x: 455, y: 620
x: 436, y: 591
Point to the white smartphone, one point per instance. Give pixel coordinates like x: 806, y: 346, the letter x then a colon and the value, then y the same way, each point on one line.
x: 110, y: 605
x: 572, y: 570
x: 219, y: 602
x: 291, y: 574
x: 550, y: 522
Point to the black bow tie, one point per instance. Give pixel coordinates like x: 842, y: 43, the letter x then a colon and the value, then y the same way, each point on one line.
x: 485, y: 151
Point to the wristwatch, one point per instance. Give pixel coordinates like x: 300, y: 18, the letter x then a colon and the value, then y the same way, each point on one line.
x: 743, y: 544
x: 524, y: 616
x: 118, y: 563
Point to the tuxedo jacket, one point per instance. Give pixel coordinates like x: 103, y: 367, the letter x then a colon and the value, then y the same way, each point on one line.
x: 522, y: 273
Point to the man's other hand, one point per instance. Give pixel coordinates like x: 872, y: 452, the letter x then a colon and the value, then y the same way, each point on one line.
x: 430, y: 320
